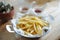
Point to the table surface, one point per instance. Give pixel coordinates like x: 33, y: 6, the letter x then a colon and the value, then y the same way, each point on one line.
x: 53, y: 9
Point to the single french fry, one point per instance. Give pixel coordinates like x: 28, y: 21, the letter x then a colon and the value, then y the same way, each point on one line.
x: 32, y: 31
x: 28, y: 30
x: 39, y: 29
x: 35, y: 29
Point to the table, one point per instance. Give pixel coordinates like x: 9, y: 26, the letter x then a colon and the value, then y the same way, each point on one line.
x: 53, y: 35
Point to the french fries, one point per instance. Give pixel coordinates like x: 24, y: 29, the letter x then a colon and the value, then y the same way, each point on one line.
x: 31, y: 24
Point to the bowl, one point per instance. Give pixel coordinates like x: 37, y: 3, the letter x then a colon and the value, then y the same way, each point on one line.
x: 20, y: 32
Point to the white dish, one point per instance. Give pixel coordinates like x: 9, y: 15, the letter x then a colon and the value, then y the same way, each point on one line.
x: 48, y: 18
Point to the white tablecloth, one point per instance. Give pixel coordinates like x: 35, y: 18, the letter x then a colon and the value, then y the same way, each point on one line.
x: 53, y: 8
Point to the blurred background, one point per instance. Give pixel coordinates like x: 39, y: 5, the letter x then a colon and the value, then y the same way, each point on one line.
x: 4, y: 35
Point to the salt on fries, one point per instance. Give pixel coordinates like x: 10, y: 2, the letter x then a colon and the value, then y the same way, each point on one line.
x: 31, y: 24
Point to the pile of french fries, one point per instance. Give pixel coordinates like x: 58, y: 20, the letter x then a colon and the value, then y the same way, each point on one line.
x: 31, y: 24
